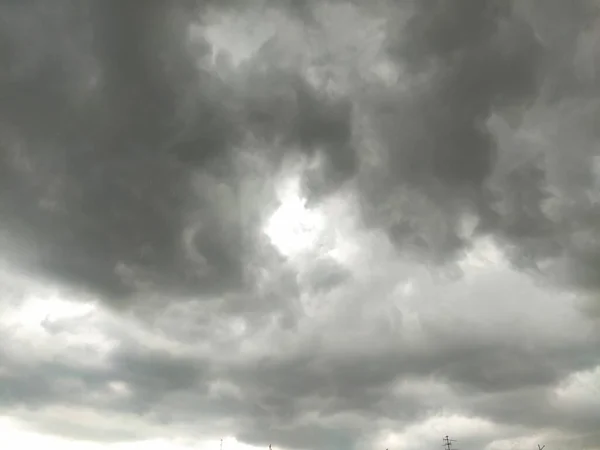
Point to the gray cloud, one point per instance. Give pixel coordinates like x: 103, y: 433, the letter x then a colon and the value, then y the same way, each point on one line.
x: 131, y: 169
x: 475, y: 58
x: 100, y: 188
x: 121, y: 190
x: 340, y: 379
x: 471, y: 66
x: 152, y: 115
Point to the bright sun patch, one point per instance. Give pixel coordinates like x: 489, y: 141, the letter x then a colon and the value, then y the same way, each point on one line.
x: 293, y: 228
x: 39, y: 310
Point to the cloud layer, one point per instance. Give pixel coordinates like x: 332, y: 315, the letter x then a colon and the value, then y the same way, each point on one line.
x: 450, y: 152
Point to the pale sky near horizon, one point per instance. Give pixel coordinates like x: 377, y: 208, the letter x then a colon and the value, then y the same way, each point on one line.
x: 313, y: 224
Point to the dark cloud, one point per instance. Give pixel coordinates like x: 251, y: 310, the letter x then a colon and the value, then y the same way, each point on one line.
x: 561, y: 27
x: 283, y: 106
x: 102, y: 154
x: 130, y: 169
x: 469, y: 65
x: 107, y: 133
x: 479, y: 56
x: 474, y: 58
x: 96, y: 187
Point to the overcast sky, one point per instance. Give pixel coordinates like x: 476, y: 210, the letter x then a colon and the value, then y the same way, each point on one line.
x: 316, y: 224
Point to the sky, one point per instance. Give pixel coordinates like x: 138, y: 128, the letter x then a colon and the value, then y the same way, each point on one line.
x: 327, y: 224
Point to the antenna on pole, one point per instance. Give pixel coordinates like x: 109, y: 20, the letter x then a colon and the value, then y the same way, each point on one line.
x: 541, y: 447
x: 448, y: 443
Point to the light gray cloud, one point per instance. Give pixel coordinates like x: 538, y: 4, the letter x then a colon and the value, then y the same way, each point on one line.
x: 341, y: 377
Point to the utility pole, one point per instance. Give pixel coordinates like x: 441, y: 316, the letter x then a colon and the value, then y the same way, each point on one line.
x: 541, y: 447
x: 221, y: 444
x: 448, y: 443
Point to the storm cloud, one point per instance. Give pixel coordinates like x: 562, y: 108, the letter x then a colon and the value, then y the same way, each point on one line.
x: 448, y: 152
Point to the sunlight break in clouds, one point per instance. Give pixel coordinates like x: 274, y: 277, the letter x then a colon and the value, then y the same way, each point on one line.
x: 293, y: 228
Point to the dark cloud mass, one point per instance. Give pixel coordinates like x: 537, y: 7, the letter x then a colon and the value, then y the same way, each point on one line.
x: 136, y: 169
x: 101, y: 185
x: 476, y: 57
x: 103, y: 182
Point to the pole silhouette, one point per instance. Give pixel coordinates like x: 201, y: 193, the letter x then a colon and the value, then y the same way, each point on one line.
x: 448, y: 443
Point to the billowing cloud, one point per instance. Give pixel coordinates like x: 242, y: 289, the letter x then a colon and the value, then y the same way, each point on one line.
x: 311, y: 224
